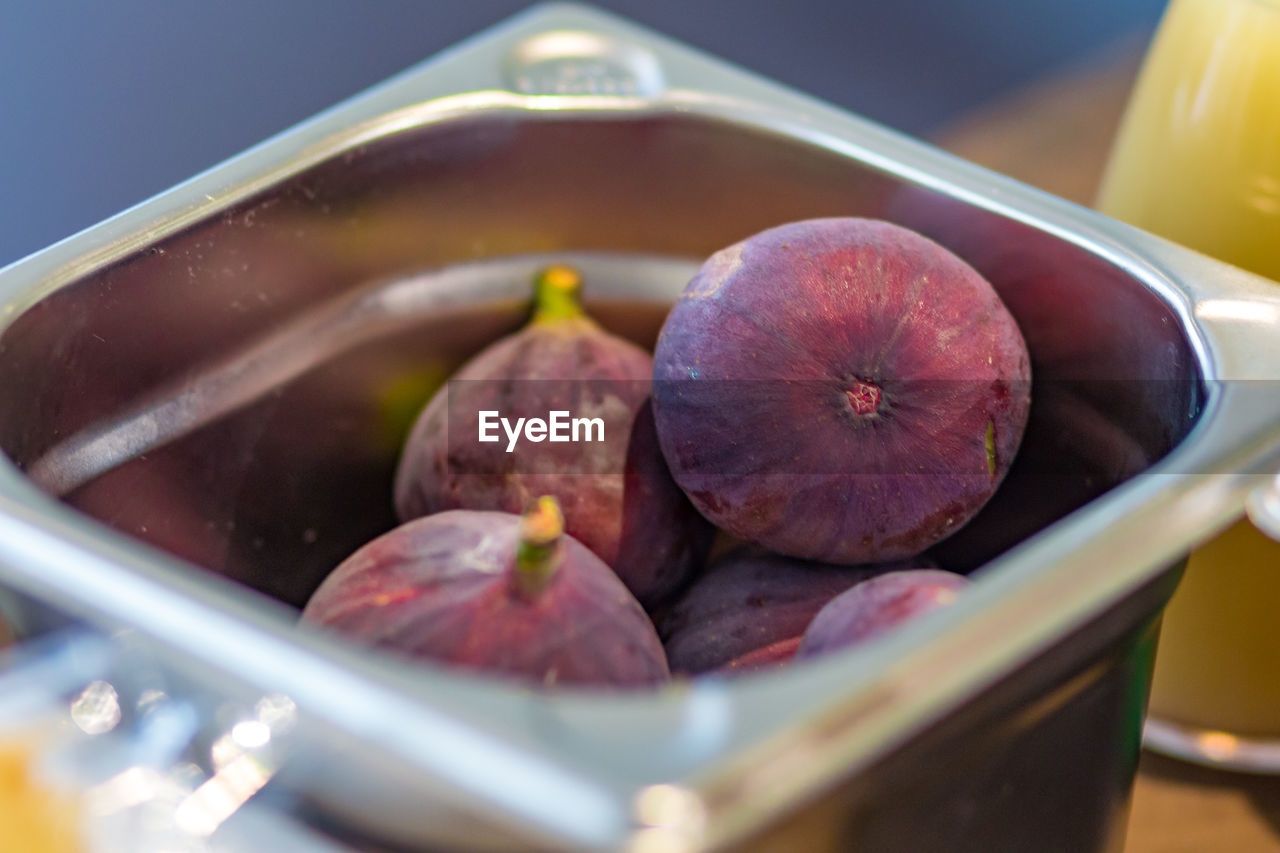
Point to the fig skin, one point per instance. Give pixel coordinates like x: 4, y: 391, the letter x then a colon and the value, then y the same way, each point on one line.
x: 877, y: 606
x: 749, y: 609
x: 618, y: 497
x: 843, y: 390
x: 773, y: 656
x: 494, y: 592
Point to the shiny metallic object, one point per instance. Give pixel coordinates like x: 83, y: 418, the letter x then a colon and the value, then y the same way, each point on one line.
x: 214, y: 374
x: 1263, y: 507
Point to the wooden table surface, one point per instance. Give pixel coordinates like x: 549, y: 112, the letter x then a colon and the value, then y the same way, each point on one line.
x: 1056, y: 135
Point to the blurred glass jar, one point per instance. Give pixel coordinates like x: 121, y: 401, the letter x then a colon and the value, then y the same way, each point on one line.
x: 1197, y: 160
x: 104, y: 749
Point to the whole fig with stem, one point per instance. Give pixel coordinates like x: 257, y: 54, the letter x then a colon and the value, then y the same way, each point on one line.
x: 497, y: 593
x: 618, y: 497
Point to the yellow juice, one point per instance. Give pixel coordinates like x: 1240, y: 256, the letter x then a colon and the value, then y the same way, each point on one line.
x: 1197, y: 160
x: 33, y: 817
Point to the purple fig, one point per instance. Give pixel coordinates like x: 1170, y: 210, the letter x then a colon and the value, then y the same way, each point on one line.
x: 842, y: 390
x: 749, y: 601
x: 878, y: 605
x: 618, y: 496
x: 495, y: 592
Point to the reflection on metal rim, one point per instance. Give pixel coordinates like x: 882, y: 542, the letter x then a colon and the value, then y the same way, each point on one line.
x: 1210, y: 748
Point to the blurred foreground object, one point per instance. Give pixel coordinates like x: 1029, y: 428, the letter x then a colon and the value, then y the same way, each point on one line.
x: 99, y: 753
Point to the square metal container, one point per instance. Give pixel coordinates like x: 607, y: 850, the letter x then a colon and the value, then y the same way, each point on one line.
x: 212, y: 379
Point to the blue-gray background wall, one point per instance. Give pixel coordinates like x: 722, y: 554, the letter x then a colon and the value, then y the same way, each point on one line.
x: 103, y: 103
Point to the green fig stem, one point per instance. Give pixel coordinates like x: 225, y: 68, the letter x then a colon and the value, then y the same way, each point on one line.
x: 538, y: 547
x: 557, y: 294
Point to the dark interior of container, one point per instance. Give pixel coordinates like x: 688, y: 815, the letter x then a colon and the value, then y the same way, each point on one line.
x: 277, y: 493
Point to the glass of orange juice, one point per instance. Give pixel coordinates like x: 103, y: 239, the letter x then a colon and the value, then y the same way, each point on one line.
x: 1197, y: 160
